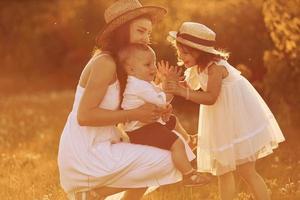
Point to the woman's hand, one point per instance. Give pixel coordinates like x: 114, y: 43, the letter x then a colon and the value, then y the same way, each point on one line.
x: 148, y: 113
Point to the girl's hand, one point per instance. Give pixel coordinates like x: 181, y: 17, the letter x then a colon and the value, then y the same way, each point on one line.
x: 173, y: 87
x: 148, y: 113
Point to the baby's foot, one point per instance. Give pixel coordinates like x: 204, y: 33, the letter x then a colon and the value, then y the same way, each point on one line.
x: 195, y: 179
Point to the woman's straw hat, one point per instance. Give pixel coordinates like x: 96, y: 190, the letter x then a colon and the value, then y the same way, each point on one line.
x: 123, y: 11
x: 195, y: 35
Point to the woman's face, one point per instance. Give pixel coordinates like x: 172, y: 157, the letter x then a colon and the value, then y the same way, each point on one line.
x: 140, y: 30
x: 189, y: 57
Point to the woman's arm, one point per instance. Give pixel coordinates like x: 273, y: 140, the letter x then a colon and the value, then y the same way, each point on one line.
x: 102, y: 74
x: 208, y: 97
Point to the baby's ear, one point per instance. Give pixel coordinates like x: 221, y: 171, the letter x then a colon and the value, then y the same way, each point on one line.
x: 128, y: 68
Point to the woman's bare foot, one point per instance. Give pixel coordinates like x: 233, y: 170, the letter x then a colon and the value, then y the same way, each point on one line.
x: 88, y: 195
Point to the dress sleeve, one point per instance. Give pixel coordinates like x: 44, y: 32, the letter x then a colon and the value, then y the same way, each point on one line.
x: 192, y: 78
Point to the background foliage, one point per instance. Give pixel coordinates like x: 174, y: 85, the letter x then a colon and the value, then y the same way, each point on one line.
x: 44, y: 45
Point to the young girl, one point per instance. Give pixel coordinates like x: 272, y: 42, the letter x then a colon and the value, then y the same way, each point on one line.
x: 138, y: 60
x: 236, y: 127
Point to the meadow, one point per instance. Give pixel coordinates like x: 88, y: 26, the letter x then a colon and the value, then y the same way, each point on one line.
x: 45, y: 44
x: 30, y: 128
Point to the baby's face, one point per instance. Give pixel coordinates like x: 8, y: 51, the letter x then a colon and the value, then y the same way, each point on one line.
x: 143, y: 65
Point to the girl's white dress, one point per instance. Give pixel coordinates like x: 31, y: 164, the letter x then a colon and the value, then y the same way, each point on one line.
x: 88, y: 159
x: 238, y: 128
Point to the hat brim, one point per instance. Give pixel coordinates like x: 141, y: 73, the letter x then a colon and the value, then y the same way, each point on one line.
x: 173, y: 37
x: 156, y: 14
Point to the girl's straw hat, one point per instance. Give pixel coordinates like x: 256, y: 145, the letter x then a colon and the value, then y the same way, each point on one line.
x: 123, y: 11
x: 197, y: 36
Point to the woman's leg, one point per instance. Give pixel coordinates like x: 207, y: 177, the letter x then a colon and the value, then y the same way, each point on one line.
x: 254, y: 180
x: 134, y: 194
x: 227, y: 186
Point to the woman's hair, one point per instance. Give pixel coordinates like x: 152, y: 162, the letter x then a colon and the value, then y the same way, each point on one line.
x: 203, y: 58
x: 118, y: 39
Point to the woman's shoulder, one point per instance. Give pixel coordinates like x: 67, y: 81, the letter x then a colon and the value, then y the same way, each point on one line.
x: 103, y: 61
x: 103, y: 57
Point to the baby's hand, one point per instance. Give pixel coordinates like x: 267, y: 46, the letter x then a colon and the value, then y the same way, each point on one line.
x: 169, y: 72
x: 165, y: 118
x: 166, y: 114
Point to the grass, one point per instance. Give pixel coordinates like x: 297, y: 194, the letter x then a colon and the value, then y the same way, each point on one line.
x: 30, y: 127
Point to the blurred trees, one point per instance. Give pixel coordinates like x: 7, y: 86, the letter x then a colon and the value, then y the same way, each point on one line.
x: 53, y: 35
x: 57, y: 37
x: 282, y: 81
x: 42, y: 37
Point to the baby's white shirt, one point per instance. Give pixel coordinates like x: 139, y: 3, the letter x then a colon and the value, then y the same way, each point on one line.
x: 139, y: 92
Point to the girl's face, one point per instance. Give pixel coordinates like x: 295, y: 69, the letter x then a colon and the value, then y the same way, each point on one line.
x: 140, y: 30
x: 189, y: 57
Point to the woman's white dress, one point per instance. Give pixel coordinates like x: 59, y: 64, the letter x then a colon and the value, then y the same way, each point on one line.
x: 88, y: 159
x: 238, y: 128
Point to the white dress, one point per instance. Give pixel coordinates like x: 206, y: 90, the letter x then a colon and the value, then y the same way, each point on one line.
x: 238, y: 128
x: 87, y: 158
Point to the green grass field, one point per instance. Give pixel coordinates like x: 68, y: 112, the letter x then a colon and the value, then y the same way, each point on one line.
x: 30, y: 127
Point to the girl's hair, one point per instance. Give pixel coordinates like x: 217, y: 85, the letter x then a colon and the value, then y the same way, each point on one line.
x: 203, y: 58
x: 118, y: 39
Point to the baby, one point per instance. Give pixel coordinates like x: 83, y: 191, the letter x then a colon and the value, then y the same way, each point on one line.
x: 139, y: 60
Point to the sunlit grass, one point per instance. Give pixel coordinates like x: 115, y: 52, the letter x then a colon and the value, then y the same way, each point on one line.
x: 30, y: 127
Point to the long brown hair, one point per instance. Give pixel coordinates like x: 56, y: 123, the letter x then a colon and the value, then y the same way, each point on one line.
x: 117, y: 40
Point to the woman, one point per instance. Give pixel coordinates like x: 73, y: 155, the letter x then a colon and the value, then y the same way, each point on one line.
x: 90, y: 152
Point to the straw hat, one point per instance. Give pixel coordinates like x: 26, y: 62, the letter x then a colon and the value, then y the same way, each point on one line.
x: 195, y: 35
x: 123, y: 11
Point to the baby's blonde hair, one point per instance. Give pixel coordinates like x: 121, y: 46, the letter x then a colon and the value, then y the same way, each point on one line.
x: 130, y: 51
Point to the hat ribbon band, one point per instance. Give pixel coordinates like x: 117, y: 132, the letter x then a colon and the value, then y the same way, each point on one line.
x: 197, y: 40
